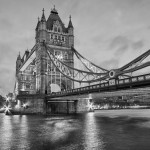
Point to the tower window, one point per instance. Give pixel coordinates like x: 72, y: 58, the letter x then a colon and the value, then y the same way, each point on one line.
x: 55, y: 36
x: 51, y: 36
x: 55, y: 29
x: 58, y: 29
x: 59, y: 37
x: 63, y: 38
x: 21, y: 77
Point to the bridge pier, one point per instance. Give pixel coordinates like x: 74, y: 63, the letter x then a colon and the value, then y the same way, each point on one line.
x: 31, y: 104
x: 39, y: 104
x: 61, y: 107
x: 68, y: 106
x: 83, y: 105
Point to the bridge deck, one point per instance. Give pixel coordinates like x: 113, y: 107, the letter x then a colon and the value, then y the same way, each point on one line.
x: 112, y: 85
x: 129, y: 86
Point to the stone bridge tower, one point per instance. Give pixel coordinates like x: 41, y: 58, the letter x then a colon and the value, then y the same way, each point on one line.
x: 60, y: 39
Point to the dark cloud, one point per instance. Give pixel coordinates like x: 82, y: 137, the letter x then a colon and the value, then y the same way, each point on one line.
x: 110, y: 64
x: 121, y: 50
x: 119, y: 41
x: 137, y: 45
x: 120, y: 44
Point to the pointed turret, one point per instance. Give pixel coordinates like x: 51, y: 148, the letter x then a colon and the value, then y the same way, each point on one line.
x: 18, y: 63
x: 43, y: 16
x: 70, y: 26
x: 41, y: 33
x: 70, y: 23
x: 70, y: 32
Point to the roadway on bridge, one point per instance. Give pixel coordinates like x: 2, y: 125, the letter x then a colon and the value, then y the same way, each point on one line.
x: 138, y: 91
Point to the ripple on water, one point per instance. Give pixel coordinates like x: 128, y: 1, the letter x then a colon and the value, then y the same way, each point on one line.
x: 102, y: 130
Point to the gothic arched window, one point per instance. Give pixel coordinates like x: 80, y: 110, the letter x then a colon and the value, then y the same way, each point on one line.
x: 59, y: 37
x: 55, y: 36
x: 55, y: 29
x: 59, y: 29
x: 51, y: 36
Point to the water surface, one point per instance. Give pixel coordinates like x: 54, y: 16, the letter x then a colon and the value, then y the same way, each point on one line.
x: 102, y: 130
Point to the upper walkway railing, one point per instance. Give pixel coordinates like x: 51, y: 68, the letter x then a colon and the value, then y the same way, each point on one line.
x: 111, y: 85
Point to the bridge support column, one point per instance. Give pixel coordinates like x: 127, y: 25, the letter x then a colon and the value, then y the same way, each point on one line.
x: 82, y: 105
x: 61, y: 106
x: 34, y: 104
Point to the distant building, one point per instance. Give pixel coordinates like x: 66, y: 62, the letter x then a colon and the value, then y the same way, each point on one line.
x: 41, y: 76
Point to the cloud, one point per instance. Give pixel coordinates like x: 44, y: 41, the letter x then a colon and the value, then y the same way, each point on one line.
x: 119, y: 41
x: 137, y: 45
x: 110, y: 64
x: 120, y: 44
x: 121, y: 50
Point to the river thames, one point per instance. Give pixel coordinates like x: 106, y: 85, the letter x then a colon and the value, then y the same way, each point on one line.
x: 102, y: 130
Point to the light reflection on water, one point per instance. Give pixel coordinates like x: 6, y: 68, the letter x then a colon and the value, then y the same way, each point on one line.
x: 6, y: 132
x: 91, y: 133
x: 102, y: 130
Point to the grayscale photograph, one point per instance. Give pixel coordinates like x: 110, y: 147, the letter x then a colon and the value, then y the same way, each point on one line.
x: 74, y: 74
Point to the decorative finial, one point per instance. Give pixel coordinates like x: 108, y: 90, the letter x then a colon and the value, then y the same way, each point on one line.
x: 43, y: 16
x: 70, y: 23
x: 54, y: 10
x: 70, y: 17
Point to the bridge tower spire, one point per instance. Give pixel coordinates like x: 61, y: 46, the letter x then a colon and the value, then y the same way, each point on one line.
x: 41, y: 33
x: 18, y: 63
x: 71, y: 34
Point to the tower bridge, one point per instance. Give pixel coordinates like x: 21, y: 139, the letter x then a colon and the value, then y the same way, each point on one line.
x: 47, y: 76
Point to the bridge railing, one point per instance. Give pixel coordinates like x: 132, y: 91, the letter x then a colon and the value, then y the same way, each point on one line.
x: 112, y: 84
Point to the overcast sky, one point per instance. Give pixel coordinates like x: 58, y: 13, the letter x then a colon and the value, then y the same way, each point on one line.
x: 108, y: 32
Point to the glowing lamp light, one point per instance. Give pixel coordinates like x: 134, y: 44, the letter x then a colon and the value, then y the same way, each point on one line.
x: 7, y: 99
x: 91, y: 106
x: 24, y: 106
x: 7, y: 109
